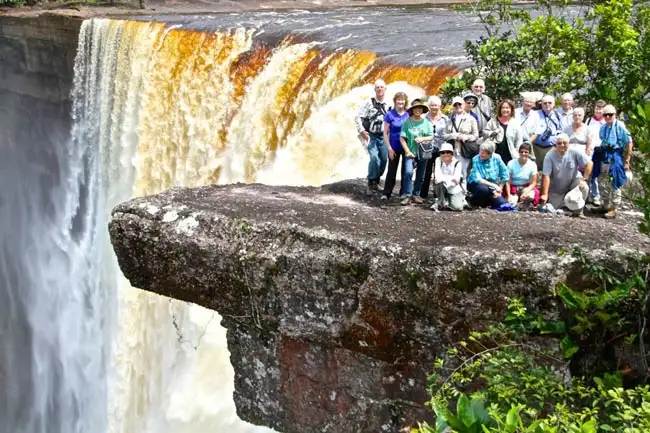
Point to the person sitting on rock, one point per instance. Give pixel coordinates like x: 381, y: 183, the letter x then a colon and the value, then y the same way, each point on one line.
x: 415, y: 130
x: 447, y: 179
x: 487, y: 177
x: 561, y: 175
x: 521, y: 188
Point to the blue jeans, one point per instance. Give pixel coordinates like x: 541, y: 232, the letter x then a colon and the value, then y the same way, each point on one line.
x: 483, y: 196
x: 595, y: 188
x: 420, y: 172
x: 378, y: 158
x: 408, y: 176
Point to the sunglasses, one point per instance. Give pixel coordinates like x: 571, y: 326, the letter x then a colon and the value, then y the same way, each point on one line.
x: 608, y: 114
x: 446, y: 151
x: 457, y: 104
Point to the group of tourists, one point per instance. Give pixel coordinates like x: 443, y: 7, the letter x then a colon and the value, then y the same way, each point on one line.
x: 487, y: 155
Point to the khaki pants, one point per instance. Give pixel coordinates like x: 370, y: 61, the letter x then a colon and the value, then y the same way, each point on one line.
x: 540, y: 154
x: 557, y: 199
x: 611, y: 197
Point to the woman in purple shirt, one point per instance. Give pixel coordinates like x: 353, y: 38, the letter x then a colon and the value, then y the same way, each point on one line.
x: 393, y: 121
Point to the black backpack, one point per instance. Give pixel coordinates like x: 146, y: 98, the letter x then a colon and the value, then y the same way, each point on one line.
x: 374, y: 124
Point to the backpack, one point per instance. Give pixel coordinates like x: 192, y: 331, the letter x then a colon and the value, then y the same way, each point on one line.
x: 374, y: 124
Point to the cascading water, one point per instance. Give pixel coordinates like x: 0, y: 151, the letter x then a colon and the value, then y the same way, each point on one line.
x: 154, y: 107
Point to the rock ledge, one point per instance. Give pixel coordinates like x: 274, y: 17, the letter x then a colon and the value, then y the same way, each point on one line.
x: 335, y: 307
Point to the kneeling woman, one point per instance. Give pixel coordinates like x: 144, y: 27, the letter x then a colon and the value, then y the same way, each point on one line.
x: 522, y: 186
x: 487, y: 177
x: 447, y: 178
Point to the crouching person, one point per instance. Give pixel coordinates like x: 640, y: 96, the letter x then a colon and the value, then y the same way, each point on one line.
x: 487, y: 177
x: 562, y: 183
x: 447, y: 177
x: 522, y: 189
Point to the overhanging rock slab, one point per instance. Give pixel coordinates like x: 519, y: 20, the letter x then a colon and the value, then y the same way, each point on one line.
x: 336, y: 307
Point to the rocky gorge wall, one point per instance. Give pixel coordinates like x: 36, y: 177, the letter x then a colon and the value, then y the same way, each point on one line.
x: 336, y: 306
x: 36, y: 74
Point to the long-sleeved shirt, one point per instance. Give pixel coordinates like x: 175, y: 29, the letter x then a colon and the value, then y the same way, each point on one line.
x: 461, y: 124
x: 491, y: 170
x: 439, y: 128
x: 447, y: 173
x: 369, y: 111
x: 484, y: 110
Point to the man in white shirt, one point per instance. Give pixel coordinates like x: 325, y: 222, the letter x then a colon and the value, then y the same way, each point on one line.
x: 566, y: 110
x: 526, y: 116
x: 484, y: 108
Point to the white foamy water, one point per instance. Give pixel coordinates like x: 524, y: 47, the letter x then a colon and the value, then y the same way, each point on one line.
x: 155, y: 107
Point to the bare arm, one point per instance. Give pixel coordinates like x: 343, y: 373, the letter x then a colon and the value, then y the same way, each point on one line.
x: 588, y: 168
x: 546, y: 183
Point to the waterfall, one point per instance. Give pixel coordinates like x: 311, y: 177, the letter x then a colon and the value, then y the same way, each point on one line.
x: 156, y: 106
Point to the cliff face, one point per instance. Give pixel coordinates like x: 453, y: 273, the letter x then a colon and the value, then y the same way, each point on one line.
x: 335, y: 307
x: 36, y: 73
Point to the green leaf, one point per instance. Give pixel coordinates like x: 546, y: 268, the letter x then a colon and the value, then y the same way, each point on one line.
x: 512, y: 419
x: 568, y: 347
x: 465, y: 411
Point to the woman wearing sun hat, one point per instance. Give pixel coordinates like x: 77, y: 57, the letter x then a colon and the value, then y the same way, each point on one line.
x: 462, y: 133
x: 447, y: 179
x: 415, y: 130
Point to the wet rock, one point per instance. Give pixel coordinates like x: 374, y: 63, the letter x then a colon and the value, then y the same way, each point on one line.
x: 336, y: 306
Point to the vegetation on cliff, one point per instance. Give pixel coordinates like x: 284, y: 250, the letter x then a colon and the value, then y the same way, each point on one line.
x: 587, y: 369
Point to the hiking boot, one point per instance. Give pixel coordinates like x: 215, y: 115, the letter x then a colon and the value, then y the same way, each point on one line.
x: 406, y: 201
x: 418, y: 199
x: 611, y: 214
x: 370, y: 188
x: 597, y: 202
x: 384, y: 197
x: 375, y: 185
x: 435, y: 207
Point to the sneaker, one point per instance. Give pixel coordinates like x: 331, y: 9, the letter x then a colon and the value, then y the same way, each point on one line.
x: 402, y: 196
x: 597, y: 202
x: 434, y: 207
x: 611, y: 214
x: 406, y: 201
x: 384, y: 197
x: 418, y: 200
x: 579, y: 214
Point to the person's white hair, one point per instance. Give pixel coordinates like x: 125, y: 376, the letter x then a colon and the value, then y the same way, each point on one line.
x: 434, y: 100
x: 488, y: 146
x: 548, y: 98
x: 580, y: 111
x: 567, y: 96
x: 562, y: 137
x: 609, y: 109
x: 380, y: 83
x: 478, y: 82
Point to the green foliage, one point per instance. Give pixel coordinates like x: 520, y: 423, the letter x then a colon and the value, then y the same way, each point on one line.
x: 520, y: 371
x: 12, y: 3
x: 602, y: 54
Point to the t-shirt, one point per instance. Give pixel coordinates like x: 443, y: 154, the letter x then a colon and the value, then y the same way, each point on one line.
x: 563, y: 169
x: 520, y: 175
x: 412, y: 129
x: 395, y: 122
